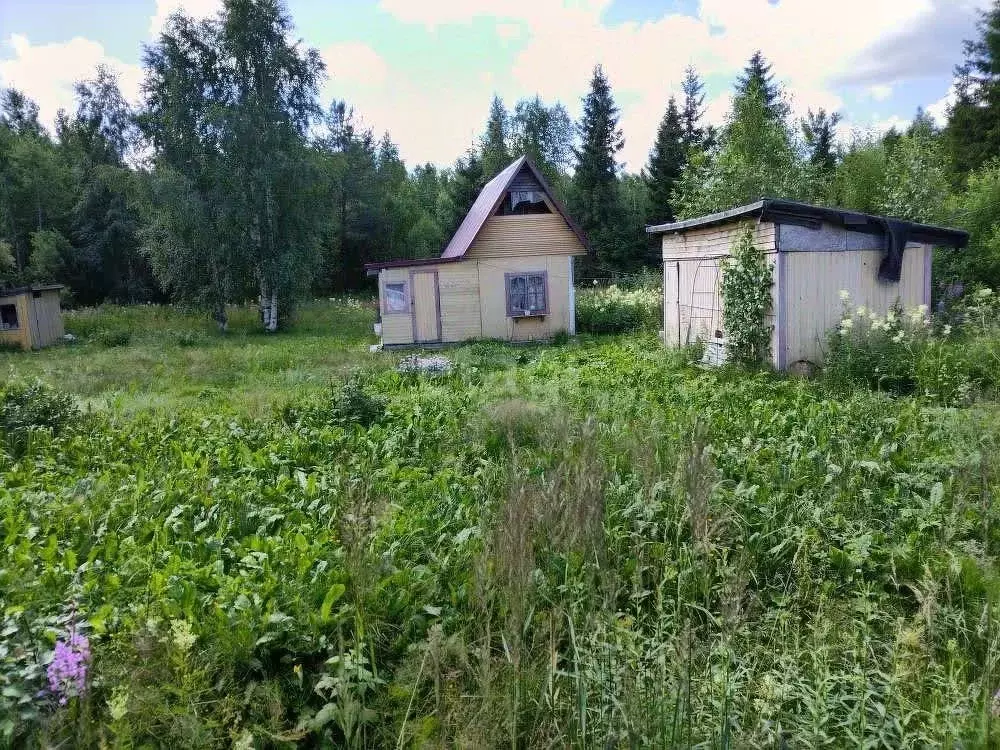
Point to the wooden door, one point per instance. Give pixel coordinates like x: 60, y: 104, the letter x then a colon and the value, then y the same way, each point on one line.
x: 426, y: 307
x: 671, y: 303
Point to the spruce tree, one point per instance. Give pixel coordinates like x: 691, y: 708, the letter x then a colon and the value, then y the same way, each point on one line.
x: 595, y: 199
x: 693, y: 110
x: 818, y: 130
x: 973, y: 131
x: 494, y: 145
x: 666, y: 162
x: 758, y: 70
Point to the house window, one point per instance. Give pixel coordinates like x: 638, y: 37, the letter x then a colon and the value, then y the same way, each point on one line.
x: 520, y: 202
x: 395, y: 298
x: 8, y: 318
x: 527, y: 294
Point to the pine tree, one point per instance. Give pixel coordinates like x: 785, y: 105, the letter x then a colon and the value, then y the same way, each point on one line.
x: 494, y: 145
x: 818, y: 130
x: 666, y: 162
x: 693, y: 110
x: 595, y: 198
x: 973, y: 130
x: 758, y: 70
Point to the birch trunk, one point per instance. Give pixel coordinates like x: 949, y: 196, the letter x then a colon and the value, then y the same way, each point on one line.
x: 268, y: 307
x: 220, y: 317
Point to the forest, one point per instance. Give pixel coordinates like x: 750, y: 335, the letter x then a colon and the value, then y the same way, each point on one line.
x: 230, y: 180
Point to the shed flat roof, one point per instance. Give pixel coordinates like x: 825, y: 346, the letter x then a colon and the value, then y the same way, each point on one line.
x: 10, y: 291
x: 794, y: 212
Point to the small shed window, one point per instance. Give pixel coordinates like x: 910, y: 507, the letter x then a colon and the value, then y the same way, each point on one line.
x: 395, y: 298
x: 8, y: 318
x: 527, y: 294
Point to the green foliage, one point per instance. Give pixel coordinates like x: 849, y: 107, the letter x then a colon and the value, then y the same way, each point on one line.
x: 747, y: 278
x: 615, y: 309
x: 27, y: 406
x: 593, y: 544
x: 595, y: 201
x: 666, y: 162
x: 972, y: 134
x: 976, y: 208
x: 756, y: 156
x: 902, y: 353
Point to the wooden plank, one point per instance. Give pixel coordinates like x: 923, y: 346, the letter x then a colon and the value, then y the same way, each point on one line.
x: 527, y: 235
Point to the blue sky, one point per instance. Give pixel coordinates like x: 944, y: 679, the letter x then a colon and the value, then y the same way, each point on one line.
x: 425, y: 70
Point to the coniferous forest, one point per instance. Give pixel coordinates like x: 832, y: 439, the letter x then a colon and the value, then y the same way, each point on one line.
x: 231, y: 180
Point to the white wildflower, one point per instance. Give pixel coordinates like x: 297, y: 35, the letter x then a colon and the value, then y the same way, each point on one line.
x: 844, y: 295
x: 890, y: 316
x: 922, y: 309
x: 898, y: 338
x: 862, y: 311
x: 946, y: 331
x: 182, y: 635
x: 847, y: 323
x: 984, y: 292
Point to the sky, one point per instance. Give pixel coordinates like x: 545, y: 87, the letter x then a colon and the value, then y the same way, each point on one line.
x: 426, y: 70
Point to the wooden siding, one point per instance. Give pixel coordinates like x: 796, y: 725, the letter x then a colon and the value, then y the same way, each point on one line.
x: 21, y: 336
x: 39, y: 319
x: 493, y: 296
x: 714, y: 241
x: 46, y: 318
x: 525, y: 235
x: 458, y: 287
x: 692, y: 301
x: 813, y: 281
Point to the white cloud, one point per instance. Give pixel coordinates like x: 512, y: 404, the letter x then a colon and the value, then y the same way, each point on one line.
x: 195, y: 8
x: 810, y: 52
x: 939, y: 109
x: 879, y: 92
x: 48, y: 72
x: 354, y: 63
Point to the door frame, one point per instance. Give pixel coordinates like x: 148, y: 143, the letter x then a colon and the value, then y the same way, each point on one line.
x: 437, y: 305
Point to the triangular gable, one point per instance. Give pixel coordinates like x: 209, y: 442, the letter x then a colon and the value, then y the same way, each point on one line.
x: 489, y: 199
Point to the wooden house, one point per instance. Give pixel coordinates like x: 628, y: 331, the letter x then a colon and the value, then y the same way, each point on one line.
x: 507, y: 273
x: 30, y: 316
x: 816, y: 252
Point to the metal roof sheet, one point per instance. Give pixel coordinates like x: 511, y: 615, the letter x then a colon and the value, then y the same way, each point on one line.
x: 482, y: 208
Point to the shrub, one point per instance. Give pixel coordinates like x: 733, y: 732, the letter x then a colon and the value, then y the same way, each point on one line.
x: 110, y: 338
x: 27, y: 406
x: 617, y: 310
x: 746, y: 299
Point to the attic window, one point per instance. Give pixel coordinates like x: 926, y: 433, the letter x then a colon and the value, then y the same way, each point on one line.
x: 8, y: 318
x: 520, y: 202
x: 527, y: 294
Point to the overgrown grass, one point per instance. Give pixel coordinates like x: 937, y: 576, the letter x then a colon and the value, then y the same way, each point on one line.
x: 165, y: 357
x: 585, y: 545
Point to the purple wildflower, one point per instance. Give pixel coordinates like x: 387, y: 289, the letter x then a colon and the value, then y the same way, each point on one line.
x: 67, y: 671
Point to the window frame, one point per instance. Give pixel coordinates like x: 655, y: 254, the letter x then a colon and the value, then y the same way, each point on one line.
x: 526, y: 275
x: 406, y: 298
x: 17, y: 318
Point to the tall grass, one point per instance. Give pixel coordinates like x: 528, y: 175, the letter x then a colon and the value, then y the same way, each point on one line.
x: 576, y: 546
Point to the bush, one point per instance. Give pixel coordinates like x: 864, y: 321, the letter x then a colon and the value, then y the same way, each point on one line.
x: 902, y: 353
x: 29, y: 406
x: 617, y: 310
x: 111, y: 338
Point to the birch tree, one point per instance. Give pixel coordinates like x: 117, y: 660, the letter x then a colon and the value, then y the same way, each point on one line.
x: 228, y: 104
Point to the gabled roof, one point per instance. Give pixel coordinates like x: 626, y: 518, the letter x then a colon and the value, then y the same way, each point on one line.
x: 486, y: 203
x: 794, y: 212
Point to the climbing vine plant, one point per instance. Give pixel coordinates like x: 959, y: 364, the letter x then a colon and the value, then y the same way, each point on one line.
x: 746, y: 300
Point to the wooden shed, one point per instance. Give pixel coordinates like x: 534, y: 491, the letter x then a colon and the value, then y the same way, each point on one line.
x: 30, y: 316
x: 816, y: 252
x: 507, y: 273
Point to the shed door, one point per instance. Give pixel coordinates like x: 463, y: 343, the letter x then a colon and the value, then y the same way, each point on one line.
x: 426, y: 307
